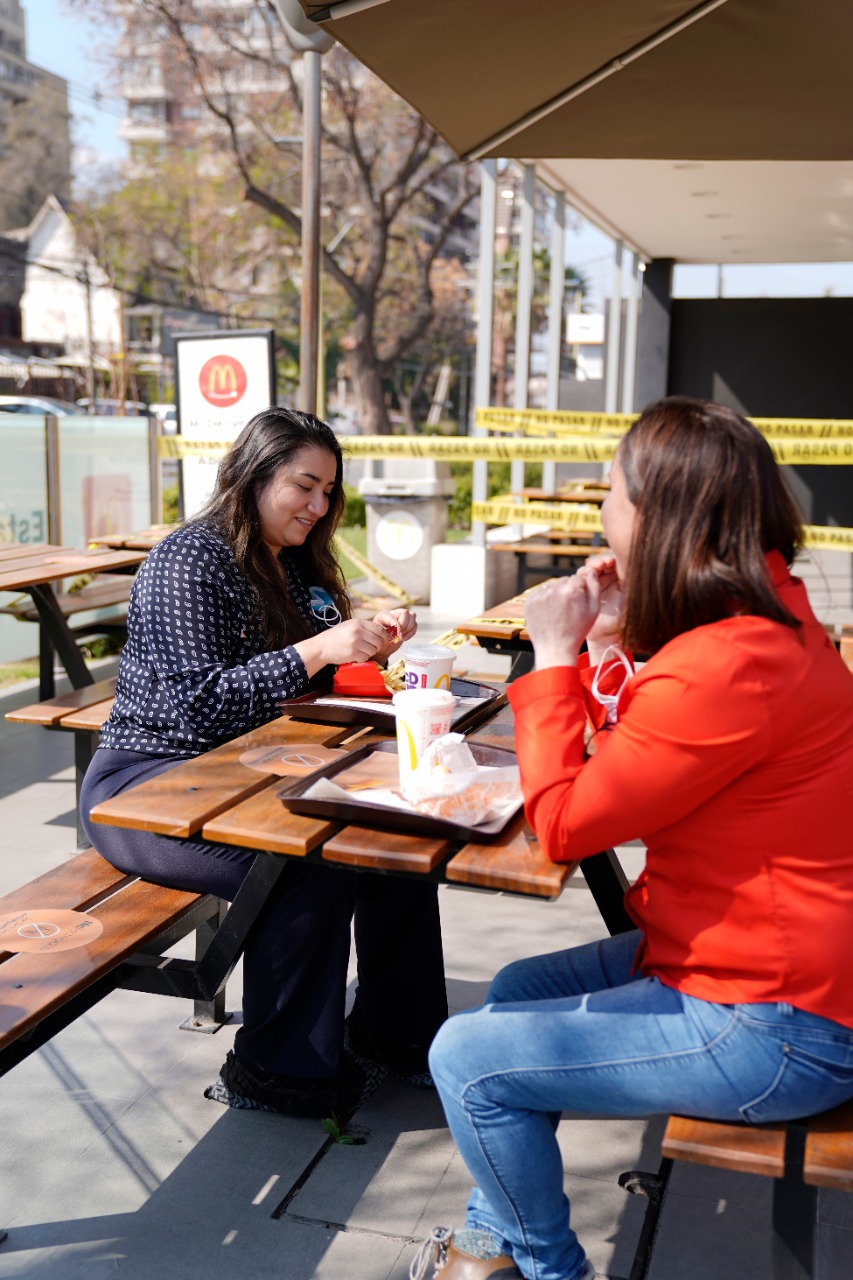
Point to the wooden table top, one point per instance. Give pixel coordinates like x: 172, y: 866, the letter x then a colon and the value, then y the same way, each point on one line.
x: 141, y: 540
x: 32, y: 566
x: 216, y: 797
x: 593, y: 495
x: 502, y: 622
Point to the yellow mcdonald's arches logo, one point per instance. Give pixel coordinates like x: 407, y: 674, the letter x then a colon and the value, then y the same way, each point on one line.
x: 443, y: 682
x: 222, y: 380
x: 406, y: 743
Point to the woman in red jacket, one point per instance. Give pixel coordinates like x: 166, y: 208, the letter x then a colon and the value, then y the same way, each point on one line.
x: 730, y: 754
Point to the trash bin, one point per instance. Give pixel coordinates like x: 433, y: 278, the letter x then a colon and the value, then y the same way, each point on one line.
x: 407, y: 501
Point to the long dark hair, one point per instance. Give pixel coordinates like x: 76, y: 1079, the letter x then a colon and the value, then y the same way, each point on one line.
x: 273, y: 437
x: 710, y: 502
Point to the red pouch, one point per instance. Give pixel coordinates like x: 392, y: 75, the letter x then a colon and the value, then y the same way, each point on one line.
x: 360, y: 680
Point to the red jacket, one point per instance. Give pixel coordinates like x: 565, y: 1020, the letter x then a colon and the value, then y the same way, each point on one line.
x: 732, y: 759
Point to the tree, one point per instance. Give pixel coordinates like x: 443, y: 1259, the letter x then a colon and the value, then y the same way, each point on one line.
x: 387, y: 176
x: 34, y: 155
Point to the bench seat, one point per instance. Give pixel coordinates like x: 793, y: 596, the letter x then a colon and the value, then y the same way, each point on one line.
x: 42, y: 993
x: 104, y: 591
x: 800, y: 1156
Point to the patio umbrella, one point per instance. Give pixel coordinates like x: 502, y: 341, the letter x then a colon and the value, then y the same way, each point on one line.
x: 651, y: 79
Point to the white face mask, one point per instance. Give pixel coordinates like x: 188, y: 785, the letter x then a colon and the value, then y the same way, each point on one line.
x: 610, y: 701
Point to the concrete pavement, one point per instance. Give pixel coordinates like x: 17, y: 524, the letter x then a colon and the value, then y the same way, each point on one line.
x: 112, y: 1163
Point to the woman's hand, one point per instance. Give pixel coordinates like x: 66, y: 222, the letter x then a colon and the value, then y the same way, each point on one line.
x: 350, y: 641
x: 399, y: 625
x: 606, y: 629
x: 559, y: 615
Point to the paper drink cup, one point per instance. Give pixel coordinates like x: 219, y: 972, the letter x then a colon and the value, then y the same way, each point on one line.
x: 422, y: 715
x: 427, y: 666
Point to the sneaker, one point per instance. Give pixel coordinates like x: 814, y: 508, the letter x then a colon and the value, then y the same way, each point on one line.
x: 407, y: 1062
x: 240, y: 1087
x: 439, y: 1258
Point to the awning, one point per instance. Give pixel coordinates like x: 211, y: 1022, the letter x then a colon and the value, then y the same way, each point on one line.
x: 660, y: 83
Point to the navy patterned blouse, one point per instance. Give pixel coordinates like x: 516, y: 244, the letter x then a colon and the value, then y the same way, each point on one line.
x: 195, y: 670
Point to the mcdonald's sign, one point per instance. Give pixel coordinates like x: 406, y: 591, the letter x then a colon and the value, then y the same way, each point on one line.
x: 222, y: 381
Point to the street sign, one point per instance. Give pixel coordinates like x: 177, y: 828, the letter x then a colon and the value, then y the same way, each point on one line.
x: 221, y: 381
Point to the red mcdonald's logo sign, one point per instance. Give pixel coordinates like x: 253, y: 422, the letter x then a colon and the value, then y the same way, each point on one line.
x: 222, y: 380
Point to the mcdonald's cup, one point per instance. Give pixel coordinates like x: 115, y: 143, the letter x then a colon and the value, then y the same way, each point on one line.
x: 427, y: 666
x: 422, y: 715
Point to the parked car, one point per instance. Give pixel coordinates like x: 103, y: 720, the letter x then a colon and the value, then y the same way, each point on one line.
x: 38, y: 404
x: 114, y: 408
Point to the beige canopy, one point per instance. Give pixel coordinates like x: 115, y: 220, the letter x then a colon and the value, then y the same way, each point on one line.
x: 717, y: 132
x: 726, y: 79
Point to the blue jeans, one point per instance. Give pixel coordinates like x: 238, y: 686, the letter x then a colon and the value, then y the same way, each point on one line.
x: 576, y: 1030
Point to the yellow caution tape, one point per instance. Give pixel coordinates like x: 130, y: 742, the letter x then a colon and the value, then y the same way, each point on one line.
x: 564, y: 422
x: 567, y: 516
x: 819, y: 452
x: 557, y: 515
x: 180, y: 447
x: 552, y: 421
x: 376, y: 575
x: 828, y: 537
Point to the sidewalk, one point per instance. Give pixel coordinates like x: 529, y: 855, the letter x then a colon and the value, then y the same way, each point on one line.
x: 114, y: 1164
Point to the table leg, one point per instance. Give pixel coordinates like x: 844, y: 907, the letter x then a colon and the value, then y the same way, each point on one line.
x: 47, y: 682
x: 521, y: 572
x: 59, y: 636
x: 794, y: 1212
x: 607, y: 883
x: 85, y: 746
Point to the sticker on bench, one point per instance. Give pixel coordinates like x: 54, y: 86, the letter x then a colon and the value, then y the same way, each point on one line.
x: 48, y: 930
x: 290, y: 759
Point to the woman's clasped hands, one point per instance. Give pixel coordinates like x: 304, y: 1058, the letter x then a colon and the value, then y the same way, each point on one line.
x: 561, y: 614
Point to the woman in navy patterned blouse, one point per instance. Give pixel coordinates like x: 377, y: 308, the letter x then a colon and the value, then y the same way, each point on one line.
x: 237, y: 610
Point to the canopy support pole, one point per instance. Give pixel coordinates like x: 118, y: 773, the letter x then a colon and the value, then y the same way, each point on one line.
x: 524, y: 313
x: 555, y: 321
x: 629, y: 364
x: 485, y: 308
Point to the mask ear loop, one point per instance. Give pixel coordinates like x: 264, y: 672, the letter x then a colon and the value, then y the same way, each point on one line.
x: 610, y: 701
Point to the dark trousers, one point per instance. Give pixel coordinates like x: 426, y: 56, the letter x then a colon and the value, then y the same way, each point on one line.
x: 296, y: 954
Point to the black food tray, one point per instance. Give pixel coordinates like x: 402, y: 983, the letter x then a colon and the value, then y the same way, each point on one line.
x: 381, y: 716
x: 378, y: 815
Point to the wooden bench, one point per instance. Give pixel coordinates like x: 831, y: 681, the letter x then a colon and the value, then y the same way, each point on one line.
x: 565, y: 551
x: 105, y: 591
x: 801, y: 1156
x: 41, y: 993
x: 81, y: 712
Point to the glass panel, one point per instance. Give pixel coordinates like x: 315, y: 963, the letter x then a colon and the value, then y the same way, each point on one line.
x: 105, y: 482
x: 23, y: 513
x: 23, y: 487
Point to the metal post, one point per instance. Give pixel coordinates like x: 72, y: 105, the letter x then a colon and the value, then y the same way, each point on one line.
x: 629, y: 363
x: 555, y: 321
x: 310, y: 305
x: 525, y: 310
x: 614, y: 324
x: 485, y: 313
x: 155, y: 470
x: 90, y: 372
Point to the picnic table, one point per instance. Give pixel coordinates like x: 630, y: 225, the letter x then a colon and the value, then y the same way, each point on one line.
x: 215, y: 797
x: 141, y: 540
x: 591, y: 491
x: 34, y: 569
x: 502, y: 629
